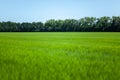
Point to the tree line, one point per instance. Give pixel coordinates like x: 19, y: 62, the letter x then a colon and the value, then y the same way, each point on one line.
x: 86, y: 24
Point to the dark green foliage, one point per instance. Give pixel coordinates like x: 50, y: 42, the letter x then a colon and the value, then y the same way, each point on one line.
x: 87, y: 24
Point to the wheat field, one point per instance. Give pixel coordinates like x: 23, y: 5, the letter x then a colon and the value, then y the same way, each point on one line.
x: 59, y: 56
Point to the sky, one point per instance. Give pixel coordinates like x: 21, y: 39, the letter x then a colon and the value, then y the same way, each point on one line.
x: 42, y: 10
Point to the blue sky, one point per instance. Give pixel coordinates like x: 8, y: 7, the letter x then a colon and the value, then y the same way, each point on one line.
x: 42, y: 10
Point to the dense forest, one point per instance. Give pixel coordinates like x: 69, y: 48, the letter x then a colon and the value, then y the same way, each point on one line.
x: 86, y: 24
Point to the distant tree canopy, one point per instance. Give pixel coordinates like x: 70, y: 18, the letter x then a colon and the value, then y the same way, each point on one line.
x: 87, y: 24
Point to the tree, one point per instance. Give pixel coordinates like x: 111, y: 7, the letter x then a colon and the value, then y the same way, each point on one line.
x: 85, y: 24
x: 115, y: 25
x: 50, y: 25
x: 103, y: 24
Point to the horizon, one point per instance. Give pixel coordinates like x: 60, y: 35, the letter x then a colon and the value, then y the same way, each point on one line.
x: 60, y: 19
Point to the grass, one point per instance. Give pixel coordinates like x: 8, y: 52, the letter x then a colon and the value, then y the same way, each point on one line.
x: 60, y: 56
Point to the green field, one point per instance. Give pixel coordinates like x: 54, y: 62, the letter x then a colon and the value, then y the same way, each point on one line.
x: 60, y: 56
